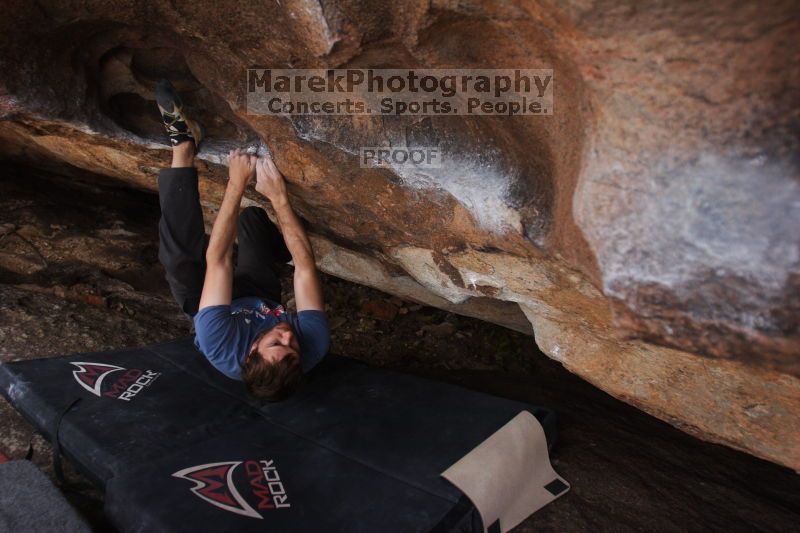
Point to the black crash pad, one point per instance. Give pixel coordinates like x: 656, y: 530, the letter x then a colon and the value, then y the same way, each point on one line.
x: 179, y: 447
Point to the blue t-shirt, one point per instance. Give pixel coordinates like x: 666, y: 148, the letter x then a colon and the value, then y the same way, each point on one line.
x: 225, y: 333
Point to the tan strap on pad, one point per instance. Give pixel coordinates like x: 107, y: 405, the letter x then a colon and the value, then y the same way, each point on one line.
x: 508, y: 476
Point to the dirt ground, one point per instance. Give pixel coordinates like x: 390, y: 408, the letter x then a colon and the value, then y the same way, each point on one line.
x: 79, y: 272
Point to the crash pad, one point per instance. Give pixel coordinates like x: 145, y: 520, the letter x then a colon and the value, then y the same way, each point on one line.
x: 177, y: 446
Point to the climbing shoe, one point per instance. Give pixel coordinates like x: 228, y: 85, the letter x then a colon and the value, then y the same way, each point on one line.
x: 178, y: 126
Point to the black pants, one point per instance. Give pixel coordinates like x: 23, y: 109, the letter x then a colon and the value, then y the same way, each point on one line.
x: 182, y: 244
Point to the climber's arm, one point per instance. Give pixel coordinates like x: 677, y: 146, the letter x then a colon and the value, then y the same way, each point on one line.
x: 218, y: 283
x: 307, y: 287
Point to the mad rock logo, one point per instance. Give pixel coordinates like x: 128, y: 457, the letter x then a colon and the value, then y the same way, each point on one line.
x: 112, y: 381
x: 216, y: 483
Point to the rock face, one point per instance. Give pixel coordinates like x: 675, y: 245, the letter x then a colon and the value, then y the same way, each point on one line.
x: 646, y: 233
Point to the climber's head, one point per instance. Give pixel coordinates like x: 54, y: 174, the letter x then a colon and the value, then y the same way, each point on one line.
x: 271, y: 370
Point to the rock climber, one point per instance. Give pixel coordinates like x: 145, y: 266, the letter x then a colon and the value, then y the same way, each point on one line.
x: 240, y: 325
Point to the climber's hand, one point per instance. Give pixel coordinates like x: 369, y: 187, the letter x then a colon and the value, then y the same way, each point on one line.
x: 269, y: 181
x: 241, y: 167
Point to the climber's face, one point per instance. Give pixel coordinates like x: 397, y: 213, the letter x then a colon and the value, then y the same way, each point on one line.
x: 277, y: 343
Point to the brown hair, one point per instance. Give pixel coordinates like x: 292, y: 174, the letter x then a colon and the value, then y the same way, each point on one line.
x: 271, y: 381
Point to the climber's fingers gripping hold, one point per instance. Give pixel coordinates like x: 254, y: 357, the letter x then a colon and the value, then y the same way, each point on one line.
x: 241, y: 167
x: 269, y: 181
